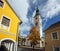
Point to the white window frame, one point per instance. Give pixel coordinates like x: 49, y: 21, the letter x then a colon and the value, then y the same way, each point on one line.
x: 3, y: 5
x: 56, y: 46
x: 52, y: 35
x: 9, y: 23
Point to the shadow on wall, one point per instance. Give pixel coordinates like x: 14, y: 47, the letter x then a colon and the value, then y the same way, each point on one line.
x: 3, y: 48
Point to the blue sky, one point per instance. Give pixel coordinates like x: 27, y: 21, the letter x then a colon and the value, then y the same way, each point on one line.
x: 25, y: 9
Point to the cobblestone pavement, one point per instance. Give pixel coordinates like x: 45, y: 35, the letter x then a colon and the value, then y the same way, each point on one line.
x: 28, y: 49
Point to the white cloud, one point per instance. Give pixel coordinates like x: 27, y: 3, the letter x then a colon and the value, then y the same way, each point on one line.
x: 51, y: 8
x: 25, y: 27
x: 23, y: 35
x: 34, y: 1
x: 21, y: 8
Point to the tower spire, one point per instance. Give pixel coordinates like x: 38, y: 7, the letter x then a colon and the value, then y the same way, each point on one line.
x: 37, y: 11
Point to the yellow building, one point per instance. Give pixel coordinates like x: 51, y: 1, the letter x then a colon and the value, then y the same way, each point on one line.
x: 9, y: 26
x: 52, y: 37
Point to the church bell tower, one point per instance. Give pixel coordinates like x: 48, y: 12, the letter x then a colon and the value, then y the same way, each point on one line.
x: 38, y: 23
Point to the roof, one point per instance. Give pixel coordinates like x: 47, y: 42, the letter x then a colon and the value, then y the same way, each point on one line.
x: 52, y: 21
x: 14, y: 11
x: 38, y: 13
x: 54, y: 25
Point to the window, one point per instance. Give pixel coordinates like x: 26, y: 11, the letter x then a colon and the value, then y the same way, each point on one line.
x: 56, y: 49
x: 55, y: 35
x: 36, y: 23
x: 5, y: 22
x: 36, y: 17
x: 1, y: 3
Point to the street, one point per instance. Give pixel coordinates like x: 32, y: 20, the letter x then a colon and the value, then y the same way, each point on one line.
x: 28, y: 49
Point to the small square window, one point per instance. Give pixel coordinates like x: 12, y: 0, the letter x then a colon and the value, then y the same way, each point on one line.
x: 36, y: 23
x: 36, y: 17
x: 1, y: 3
x: 5, y: 21
x: 56, y: 49
x: 55, y: 35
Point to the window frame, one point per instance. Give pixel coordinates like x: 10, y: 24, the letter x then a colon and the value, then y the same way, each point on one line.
x: 36, y: 18
x: 9, y: 23
x: 57, y: 35
x: 3, y: 4
x: 36, y: 23
x: 55, y: 47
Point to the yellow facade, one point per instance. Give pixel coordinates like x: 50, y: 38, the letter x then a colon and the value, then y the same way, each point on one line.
x: 12, y: 31
x: 14, y: 22
x: 50, y: 43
